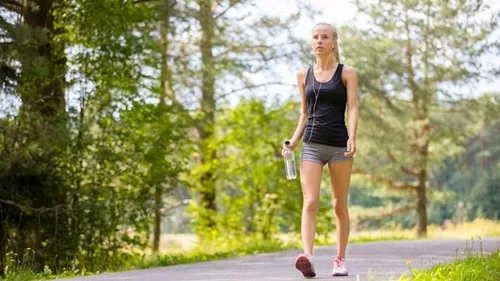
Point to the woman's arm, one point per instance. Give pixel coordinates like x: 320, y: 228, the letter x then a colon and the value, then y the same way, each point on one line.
x: 351, y: 80
x: 297, y: 135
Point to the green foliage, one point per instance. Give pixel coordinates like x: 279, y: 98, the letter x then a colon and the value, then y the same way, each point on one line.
x: 255, y: 196
x: 473, y: 178
x: 227, y: 56
x: 82, y: 184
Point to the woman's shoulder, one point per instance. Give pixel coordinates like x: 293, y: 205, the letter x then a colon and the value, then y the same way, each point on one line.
x: 302, y: 72
x: 348, y: 70
x: 301, y: 75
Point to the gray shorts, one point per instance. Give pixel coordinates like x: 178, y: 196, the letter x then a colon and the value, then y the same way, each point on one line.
x: 321, y: 153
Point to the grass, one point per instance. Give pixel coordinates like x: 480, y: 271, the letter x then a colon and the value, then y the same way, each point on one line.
x: 472, y: 268
x: 476, y: 228
x: 229, y: 248
x: 242, y: 248
x: 182, y: 243
x: 22, y: 271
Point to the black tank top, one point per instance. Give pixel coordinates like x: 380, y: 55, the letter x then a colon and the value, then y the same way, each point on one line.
x: 325, y: 122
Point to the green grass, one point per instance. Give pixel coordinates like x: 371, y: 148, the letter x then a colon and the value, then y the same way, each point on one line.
x: 249, y: 247
x: 27, y: 274
x: 209, y: 252
x: 365, y: 238
x: 472, y: 268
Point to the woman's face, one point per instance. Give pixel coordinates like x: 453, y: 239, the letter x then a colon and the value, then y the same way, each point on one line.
x: 322, y: 39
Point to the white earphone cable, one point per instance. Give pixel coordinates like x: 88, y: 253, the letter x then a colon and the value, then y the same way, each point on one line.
x: 317, y: 96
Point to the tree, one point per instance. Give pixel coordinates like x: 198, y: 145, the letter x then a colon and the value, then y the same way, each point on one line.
x: 231, y: 45
x: 60, y: 192
x: 40, y: 82
x: 32, y: 71
x: 138, y: 124
x: 408, y: 59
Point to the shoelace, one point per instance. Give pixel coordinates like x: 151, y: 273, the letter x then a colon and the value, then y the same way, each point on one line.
x: 337, y: 261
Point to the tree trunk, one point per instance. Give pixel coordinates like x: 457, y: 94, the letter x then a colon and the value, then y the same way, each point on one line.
x: 41, y: 88
x: 422, y: 144
x: 158, y: 218
x: 43, y: 92
x: 420, y: 137
x: 165, y: 92
x: 421, y: 218
x: 166, y: 82
x: 207, y: 191
x: 3, y: 241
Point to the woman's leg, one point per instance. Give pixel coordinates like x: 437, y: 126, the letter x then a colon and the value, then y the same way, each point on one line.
x: 310, y: 177
x: 340, y: 175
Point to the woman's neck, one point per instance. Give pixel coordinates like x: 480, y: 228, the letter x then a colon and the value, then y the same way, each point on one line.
x: 325, y: 62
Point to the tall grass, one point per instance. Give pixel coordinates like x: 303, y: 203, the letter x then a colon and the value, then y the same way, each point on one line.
x: 209, y: 251
x: 475, y: 266
x: 218, y: 250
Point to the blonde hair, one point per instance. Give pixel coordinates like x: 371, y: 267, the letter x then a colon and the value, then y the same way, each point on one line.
x: 335, y: 40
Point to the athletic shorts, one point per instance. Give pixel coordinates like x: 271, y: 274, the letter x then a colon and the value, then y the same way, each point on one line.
x: 323, y: 154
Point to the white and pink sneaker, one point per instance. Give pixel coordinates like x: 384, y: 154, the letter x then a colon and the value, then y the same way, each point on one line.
x: 304, y: 264
x: 339, y: 267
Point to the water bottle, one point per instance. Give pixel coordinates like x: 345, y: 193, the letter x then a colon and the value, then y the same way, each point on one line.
x: 291, y: 171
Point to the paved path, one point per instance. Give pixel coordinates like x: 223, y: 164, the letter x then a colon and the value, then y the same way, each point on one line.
x: 382, y: 260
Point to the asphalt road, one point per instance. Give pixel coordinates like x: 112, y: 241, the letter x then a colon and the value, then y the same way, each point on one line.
x: 367, y: 261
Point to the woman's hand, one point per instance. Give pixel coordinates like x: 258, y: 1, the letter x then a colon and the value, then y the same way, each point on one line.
x: 291, y: 146
x: 351, y: 147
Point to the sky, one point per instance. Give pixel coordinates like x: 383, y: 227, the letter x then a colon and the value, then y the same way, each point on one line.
x: 340, y: 12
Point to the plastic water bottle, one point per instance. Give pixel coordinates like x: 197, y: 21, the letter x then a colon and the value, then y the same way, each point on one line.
x: 290, y: 169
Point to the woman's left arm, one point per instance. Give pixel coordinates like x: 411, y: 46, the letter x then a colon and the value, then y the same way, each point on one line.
x: 351, y: 80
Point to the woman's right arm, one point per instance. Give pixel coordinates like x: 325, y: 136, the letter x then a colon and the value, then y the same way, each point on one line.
x: 297, y: 135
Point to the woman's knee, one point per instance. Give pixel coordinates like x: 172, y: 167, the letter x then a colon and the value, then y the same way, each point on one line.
x: 340, y: 207
x: 311, y: 205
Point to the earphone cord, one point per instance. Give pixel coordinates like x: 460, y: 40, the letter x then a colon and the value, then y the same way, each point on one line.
x: 314, y: 106
x: 317, y: 96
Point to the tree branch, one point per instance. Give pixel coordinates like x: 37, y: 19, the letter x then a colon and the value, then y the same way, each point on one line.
x: 35, y: 210
x: 400, y: 210
x: 241, y: 48
x: 12, y: 6
x: 253, y: 86
x: 389, y: 183
x: 232, y: 4
x: 408, y: 171
x: 185, y: 202
x: 143, y: 1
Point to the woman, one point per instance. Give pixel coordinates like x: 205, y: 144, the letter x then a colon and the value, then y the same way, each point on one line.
x: 326, y: 90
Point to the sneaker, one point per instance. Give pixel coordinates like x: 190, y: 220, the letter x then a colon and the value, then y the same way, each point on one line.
x: 304, y: 264
x: 339, y: 268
